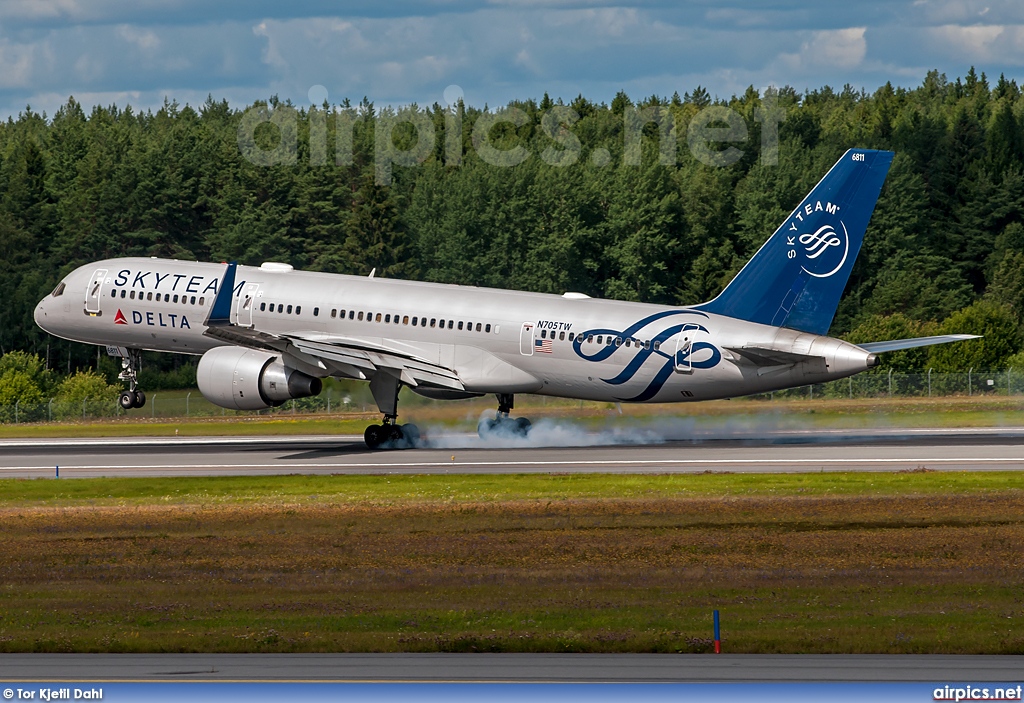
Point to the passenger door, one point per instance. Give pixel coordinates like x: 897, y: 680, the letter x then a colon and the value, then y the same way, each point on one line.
x: 526, y: 339
x: 684, y: 345
x: 246, y: 302
x: 95, y: 290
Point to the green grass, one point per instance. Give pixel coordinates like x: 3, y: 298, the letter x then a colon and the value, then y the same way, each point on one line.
x: 820, y: 413
x: 462, y: 488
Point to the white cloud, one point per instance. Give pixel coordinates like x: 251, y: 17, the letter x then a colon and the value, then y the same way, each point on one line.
x: 15, y: 64
x: 838, y: 48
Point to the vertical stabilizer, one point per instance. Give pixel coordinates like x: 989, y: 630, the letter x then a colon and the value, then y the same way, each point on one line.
x: 796, y: 279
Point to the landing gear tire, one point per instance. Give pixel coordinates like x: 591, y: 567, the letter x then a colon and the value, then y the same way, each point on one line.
x: 140, y: 399
x: 503, y: 426
x: 391, y: 436
x: 126, y: 400
x: 374, y: 436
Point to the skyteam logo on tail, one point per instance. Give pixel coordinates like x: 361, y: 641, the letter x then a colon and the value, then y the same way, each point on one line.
x: 823, y: 250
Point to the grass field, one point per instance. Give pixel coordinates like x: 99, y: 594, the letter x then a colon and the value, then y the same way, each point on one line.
x: 955, y: 411
x: 900, y: 562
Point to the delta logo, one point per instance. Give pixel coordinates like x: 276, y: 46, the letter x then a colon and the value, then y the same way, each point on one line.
x: 154, y: 319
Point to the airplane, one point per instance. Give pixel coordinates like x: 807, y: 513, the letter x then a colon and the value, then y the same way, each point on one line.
x: 270, y: 333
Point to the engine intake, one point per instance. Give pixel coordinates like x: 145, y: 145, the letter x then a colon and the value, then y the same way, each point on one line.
x: 245, y: 379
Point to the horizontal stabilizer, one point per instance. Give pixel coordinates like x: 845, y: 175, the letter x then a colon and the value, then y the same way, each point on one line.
x: 764, y: 356
x: 897, y: 344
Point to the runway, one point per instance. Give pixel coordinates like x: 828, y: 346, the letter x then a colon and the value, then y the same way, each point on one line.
x: 593, y: 668
x: 982, y: 449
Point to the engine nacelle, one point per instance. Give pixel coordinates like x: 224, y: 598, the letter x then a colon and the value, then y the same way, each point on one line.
x: 245, y: 379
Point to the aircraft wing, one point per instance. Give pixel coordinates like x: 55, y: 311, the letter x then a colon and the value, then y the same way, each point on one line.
x: 347, y: 356
x: 897, y: 344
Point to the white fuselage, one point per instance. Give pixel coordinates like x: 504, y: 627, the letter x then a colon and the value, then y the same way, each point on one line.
x: 496, y: 341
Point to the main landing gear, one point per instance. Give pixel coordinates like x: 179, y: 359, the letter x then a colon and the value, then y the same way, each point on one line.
x: 389, y: 434
x: 133, y: 397
x: 502, y: 424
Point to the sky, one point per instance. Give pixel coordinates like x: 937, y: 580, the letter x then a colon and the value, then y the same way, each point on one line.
x: 140, y: 52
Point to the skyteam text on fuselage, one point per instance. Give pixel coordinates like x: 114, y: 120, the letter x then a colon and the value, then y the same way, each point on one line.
x: 268, y: 334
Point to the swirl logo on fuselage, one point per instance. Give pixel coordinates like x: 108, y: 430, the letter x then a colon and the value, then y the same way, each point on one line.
x: 823, y: 249
x: 695, y: 354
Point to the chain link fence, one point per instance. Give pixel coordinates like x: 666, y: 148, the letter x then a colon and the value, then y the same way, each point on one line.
x: 167, y: 404
x: 914, y: 385
x: 181, y: 404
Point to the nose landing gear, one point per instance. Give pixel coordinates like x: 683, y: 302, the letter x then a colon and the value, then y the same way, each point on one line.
x: 131, y: 360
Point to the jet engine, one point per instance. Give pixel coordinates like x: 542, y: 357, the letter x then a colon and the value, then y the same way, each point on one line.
x: 245, y: 379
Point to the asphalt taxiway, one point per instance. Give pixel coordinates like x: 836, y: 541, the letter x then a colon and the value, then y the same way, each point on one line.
x: 511, y: 667
x: 765, y: 452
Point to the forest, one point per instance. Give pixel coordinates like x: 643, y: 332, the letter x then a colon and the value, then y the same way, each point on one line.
x: 944, y: 251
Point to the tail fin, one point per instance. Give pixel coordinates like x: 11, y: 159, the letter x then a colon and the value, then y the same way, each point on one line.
x: 796, y: 278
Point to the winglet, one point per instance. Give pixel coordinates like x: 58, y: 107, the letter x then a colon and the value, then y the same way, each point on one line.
x: 220, y: 312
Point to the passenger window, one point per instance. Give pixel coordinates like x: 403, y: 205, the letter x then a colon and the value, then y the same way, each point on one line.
x: 451, y: 323
x: 334, y: 313
x: 123, y: 292
x: 487, y: 328
x: 657, y: 346
x: 289, y: 309
x: 184, y: 301
x: 397, y: 320
x: 158, y: 297
x: 193, y: 300
x: 202, y: 300
x: 647, y: 344
x: 378, y: 317
x: 387, y: 318
x: 543, y: 334
x: 360, y: 317
x: 415, y: 321
x: 263, y: 307
x: 478, y: 327
x: 298, y: 309
x: 113, y: 292
x: 175, y: 297
x: 618, y: 341
x: 590, y: 338
x: 571, y: 336
x: 460, y: 324
x: 561, y: 336
x: 433, y: 322
x: 405, y: 319
x: 600, y: 339
x: 351, y: 314
x: 423, y: 322
x: 316, y: 312
x: 132, y: 295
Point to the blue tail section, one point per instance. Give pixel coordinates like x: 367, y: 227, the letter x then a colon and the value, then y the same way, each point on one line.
x: 220, y: 311
x: 796, y: 279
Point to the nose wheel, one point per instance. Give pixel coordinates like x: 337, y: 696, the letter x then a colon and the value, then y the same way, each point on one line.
x: 131, y: 399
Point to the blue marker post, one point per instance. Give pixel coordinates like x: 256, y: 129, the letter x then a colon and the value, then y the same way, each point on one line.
x: 58, y: 471
x: 718, y: 635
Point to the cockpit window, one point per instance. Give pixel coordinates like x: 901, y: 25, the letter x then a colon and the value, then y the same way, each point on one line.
x: 59, y: 290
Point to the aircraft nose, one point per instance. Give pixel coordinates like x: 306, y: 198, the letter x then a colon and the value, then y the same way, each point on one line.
x: 40, y: 314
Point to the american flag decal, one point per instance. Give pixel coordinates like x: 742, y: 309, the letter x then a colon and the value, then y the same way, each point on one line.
x: 542, y: 345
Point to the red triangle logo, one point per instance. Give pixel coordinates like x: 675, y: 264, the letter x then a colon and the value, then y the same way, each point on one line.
x: 119, y: 318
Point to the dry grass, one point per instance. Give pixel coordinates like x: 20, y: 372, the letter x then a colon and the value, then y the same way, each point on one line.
x: 911, y: 573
